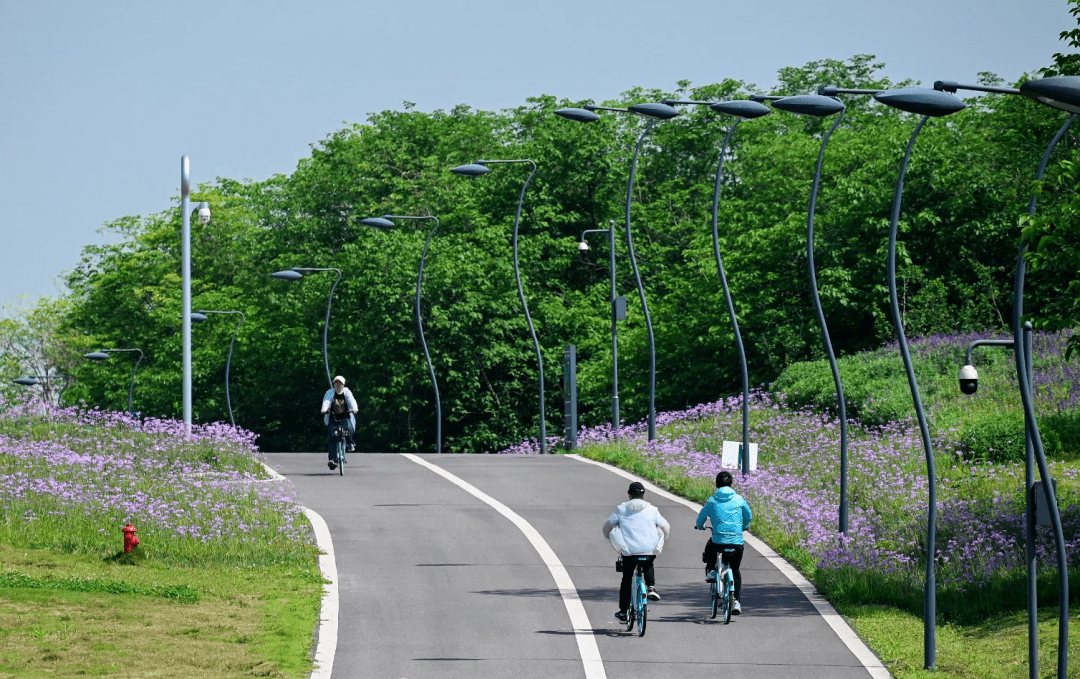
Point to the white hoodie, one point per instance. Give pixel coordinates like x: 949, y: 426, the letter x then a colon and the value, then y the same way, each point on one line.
x: 636, y: 528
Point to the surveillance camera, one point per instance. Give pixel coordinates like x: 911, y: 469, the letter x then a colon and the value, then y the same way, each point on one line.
x: 969, y: 379
x: 583, y: 246
x: 204, y: 214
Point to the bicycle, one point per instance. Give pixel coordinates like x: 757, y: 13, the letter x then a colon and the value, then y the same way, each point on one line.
x: 722, y: 588
x: 639, y: 600
x: 340, y: 430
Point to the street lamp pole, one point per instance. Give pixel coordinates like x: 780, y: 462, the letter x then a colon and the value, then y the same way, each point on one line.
x: 199, y: 316
x: 583, y: 246
x: 475, y: 170
x: 386, y: 221
x: 928, y: 103
x: 295, y: 274
x: 1062, y: 93
x: 185, y: 250
x: 655, y: 113
x: 820, y: 106
x: 103, y: 355
x: 740, y: 110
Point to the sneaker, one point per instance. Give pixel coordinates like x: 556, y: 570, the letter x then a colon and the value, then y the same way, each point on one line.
x: 651, y: 595
x: 332, y: 465
x: 351, y: 448
x: 620, y: 616
x: 736, y: 608
x: 710, y: 576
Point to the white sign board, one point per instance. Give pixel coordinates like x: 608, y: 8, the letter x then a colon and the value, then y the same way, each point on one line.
x: 730, y: 457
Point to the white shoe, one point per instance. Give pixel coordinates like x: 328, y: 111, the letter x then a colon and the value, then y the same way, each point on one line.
x: 651, y: 594
x: 736, y: 607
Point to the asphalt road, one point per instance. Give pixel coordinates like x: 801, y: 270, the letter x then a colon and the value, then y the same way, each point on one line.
x: 433, y: 582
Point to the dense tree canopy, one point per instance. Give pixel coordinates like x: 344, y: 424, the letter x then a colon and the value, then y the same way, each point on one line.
x: 968, y: 182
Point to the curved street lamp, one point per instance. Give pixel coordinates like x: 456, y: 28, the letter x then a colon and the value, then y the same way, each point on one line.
x: 200, y: 316
x: 740, y: 110
x: 386, y: 222
x: 103, y: 355
x: 929, y: 104
x: 295, y: 274
x: 185, y: 248
x: 478, y: 169
x: 584, y: 247
x: 655, y: 112
x: 821, y: 106
x: 1062, y: 93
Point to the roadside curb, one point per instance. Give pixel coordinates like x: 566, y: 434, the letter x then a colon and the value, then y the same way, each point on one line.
x: 328, y: 611
x: 839, y: 626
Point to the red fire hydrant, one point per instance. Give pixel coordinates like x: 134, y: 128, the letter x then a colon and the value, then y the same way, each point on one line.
x: 130, y: 541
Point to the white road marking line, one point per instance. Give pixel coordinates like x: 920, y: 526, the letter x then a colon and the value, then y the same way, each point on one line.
x: 328, y: 613
x: 824, y: 608
x: 583, y: 631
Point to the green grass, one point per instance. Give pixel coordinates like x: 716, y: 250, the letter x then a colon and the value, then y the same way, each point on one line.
x: 119, y: 621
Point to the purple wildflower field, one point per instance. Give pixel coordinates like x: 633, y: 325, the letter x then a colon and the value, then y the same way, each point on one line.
x: 794, y: 493
x: 71, y: 479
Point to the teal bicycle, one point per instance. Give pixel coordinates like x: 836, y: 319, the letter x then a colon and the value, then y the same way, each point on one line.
x: 722, y: 587
x: 339, y: 430
x: 638, y: 613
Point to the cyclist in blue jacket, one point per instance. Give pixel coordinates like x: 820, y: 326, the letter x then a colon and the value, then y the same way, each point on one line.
x: 730, y: 516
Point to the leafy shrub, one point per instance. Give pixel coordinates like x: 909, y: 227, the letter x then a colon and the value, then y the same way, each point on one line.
x: 999, y: 437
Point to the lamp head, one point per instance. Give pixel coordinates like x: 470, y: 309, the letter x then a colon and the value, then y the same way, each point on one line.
x: 741, y: 108
x: 809, y: 105
x: 471, y: 170
x: 198, y: 317
x: 97, y: 356
x: 26, y: 381
x: 579, y: 114
x: 377, y: 222
x: 1060, y: 92
x: 287, y: 275
x: 583, y: 246
x: 922, y: 101
x: 652, y: 110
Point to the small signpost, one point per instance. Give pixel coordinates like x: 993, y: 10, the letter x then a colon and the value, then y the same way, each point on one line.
x: 731, y: 459
x: 570, y: 396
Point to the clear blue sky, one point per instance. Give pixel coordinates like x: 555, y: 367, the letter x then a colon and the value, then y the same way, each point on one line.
x: 99, y: 100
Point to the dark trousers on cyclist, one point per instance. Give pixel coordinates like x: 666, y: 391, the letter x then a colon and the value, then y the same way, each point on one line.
x: 331, y: 425
x: 733, y: 559
x: 629, y: 566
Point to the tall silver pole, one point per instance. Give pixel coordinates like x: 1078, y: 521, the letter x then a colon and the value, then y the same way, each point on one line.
x: 614, y: 331
x: 185, y: 312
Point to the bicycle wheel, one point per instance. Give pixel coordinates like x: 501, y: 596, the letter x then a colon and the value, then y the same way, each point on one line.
x: 643, y: 614
x: 714, y: 594
x: 728, y: 587
x: 341, y: 456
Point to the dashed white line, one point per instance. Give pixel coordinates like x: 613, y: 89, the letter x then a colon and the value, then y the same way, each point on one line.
x: 583, y: 631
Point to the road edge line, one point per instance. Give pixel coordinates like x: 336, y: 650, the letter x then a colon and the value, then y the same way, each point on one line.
x: 328, y: 611
x: 857, y: 646
x: 579, y: 619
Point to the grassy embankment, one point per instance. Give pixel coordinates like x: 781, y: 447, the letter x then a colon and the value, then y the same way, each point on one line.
x: 225, y: 582
x: 874, y: 576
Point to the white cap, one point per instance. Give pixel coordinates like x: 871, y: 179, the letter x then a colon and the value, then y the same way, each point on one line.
x: 339, y: 378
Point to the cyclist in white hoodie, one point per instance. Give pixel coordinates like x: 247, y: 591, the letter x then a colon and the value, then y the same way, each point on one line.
x: 639, y: 538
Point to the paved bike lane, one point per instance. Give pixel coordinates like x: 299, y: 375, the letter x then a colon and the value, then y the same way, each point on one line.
x: 779, y: 635
x: 418, y: 559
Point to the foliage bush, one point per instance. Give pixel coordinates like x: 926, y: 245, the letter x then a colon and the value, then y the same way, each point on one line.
x: 999, y: 437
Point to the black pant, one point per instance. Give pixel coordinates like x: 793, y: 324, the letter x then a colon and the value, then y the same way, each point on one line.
x: 628, y: 567
x: 732, y: 556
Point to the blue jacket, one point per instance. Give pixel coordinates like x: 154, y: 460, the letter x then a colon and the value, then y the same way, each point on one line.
x: 730, y: 516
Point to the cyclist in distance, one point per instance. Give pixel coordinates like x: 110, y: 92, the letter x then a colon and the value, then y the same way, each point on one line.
x: 730, y: 516
x: 637, y: 530
x: 338, y: 404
